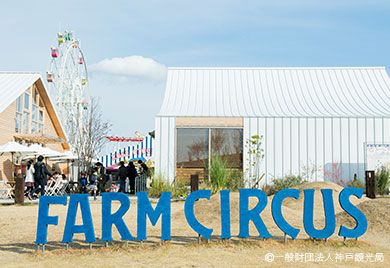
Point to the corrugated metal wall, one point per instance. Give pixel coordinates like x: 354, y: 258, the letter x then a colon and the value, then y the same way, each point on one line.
x: 164, y: 153
x: 291, y: 144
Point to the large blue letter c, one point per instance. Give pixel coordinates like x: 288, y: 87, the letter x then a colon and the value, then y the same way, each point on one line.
x: 190, y: 215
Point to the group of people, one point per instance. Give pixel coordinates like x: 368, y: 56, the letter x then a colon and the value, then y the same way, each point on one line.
x: 36, y: 178
x: 127, y: 175
x: 97, y: 182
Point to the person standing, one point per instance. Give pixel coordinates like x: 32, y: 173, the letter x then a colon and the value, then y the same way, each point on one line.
x: 101, y: 176
x: 132, y: 174
x: 144, y: 174
x: 29, y: 181
x: 122, y: 177
x: 40, y: 177
x: 83, y: 183
x: 93, y: 183
x: 144, y: 168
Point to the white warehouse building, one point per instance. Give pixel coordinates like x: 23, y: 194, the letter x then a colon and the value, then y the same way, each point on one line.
x: 316, y: 122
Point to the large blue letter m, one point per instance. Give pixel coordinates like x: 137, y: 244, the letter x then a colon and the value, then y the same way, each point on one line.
x: 145, y: 208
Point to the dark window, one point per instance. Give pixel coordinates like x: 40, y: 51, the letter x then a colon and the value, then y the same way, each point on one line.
x: 192, y: 150
x: 192, y: 147
x: 227, y: 143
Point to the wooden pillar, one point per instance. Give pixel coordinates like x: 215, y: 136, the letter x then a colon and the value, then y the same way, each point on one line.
x: 194, y: 183
x: 370, y: 183
x: 19, y: 190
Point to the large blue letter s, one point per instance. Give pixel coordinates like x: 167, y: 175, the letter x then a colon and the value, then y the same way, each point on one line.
x: 360, y: 218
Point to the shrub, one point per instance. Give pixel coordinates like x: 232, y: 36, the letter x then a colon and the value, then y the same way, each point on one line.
x: 267, y: 189
x: 235, y: 180
x: 287, y: 182
x: 159, y: 185
x: 218, y: 174
x: 356, y: 183
x: 181, y: 190
x: 382, y: 181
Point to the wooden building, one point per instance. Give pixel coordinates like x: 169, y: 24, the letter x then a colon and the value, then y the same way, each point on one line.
x: 27, y: 116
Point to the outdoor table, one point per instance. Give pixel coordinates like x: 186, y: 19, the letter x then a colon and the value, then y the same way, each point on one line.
x: 11, y: 183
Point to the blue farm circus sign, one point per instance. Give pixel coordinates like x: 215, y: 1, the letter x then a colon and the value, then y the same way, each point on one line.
x: 163, y: 210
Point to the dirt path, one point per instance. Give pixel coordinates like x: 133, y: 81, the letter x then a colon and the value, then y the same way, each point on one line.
x: 18, y: 227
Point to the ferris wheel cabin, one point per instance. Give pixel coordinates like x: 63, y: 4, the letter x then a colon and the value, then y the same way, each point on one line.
x: 49, y: 77
x: 54, y: 52
x: 60, y: 37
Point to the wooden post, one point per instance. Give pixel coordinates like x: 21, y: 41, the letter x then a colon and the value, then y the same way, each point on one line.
x: 194, y: 183
x: 370, y: 183
x: 19, y: 190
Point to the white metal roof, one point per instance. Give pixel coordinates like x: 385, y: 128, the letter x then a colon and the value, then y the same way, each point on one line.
x: 277, y: 92
x: 13, y: 84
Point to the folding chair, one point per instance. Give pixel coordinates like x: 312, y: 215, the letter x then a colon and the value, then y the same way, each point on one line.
x: 61, y: 190
x: 5, y: 190
x: 52, y: 187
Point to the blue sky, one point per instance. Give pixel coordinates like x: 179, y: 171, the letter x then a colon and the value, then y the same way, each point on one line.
x: 145, y: 37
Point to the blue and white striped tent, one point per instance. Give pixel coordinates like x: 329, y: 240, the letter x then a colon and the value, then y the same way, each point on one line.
x: 143, y: 150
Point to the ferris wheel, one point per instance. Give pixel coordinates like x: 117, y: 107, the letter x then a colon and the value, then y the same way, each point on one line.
x: 68, y: 84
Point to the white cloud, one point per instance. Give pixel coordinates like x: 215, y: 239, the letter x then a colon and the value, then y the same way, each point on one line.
x: 135, y: 66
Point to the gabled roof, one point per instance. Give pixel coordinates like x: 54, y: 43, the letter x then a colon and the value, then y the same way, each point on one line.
x: 13, y: 84
x: 277, y: 92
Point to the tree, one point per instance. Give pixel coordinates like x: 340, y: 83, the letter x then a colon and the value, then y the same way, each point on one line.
x: 93, y: 137
x: 255, y: 157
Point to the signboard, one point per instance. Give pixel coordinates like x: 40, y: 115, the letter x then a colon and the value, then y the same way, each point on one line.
x: 378, y: 156
x: 163, y: 209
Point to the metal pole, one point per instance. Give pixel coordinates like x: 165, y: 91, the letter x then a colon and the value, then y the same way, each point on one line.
x: 90, y: 246
x: 67, y: 246
x: 285, y: 238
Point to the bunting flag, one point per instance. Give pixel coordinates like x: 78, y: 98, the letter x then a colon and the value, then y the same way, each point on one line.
x: 144, y: 151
